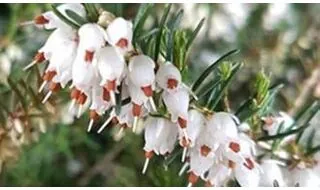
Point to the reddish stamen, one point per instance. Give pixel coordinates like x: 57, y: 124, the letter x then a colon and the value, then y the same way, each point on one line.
x: 54, y: 87
x: 249, y: 164
x: 148, y: 154
x: 39, y: 57
x: 122, y: 43
x: 75, y: 93
x: 182, y: 123
x: 205, y: 150
x: 88, y: 56
x: 234, y: 146
x: 136, y: 110
x: 93, y: 115
x: 147, y: 90
x: 82, y: 99
x: 40, y: 20
x: 106, y: 95
x: 172, y: 83
x: 193, y: 178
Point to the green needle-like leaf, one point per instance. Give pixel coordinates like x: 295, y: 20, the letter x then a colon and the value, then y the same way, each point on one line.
x: 140, y: 19
x: 211, y: 68
x: 18, y: 93
x: 284, y: 134
x: 161, y: 29
x: 195, y: 33
x: 63, y: 18
x: 92, y: 12
x: 213, y: 103
x: 77, y: 18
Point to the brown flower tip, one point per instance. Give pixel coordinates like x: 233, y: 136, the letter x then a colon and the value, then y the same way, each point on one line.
x: 75, y: 93
x: 182, y: 122
x: 39, y: 57
x: 148, y: 154
x: 172, y: 83
x: 54, y: 87
x: 235, y: 147
x: 147, y: 90
x: 82, y: 99
x: 88, y: 57
x: 48, y: 76
x: 193, y: 178
x: 40, y: 20
x: 122, y: 43
x: 136, y: 110
x: 93, y: 115
x: 205, y: 150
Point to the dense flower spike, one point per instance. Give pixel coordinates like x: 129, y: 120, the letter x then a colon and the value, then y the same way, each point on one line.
x: 110, y: 77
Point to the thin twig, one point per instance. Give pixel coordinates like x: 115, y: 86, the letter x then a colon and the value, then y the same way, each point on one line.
x: 306, y: 91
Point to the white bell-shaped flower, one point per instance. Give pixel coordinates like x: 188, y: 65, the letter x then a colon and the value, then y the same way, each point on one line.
x: 62, y: 60
x: 222, y: 126
x: 152, y: 125
x: 57, y: 38
x: 271, y: 173
x: 84, y: 77
x: 111, y: 66
x: 91, y: 39
x: 177, y: 104
x: 49, y: 20
x: 218, y: 175
x: 196, y: 122
x: 247, y: 173
x: 198, y: 165
x: 272, y: 124
x: 98, y: 105
x: 168, y: 77
x: 141, y: 73
x: 168, y: 136
x: 138, y: 99
x: 125, y: 116
x: 119, y: 33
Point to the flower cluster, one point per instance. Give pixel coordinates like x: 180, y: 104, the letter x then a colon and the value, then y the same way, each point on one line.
x: 104, y: 70
x: 101, y: 63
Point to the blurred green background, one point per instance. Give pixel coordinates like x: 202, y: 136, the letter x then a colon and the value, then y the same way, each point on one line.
x: 281, y: 39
